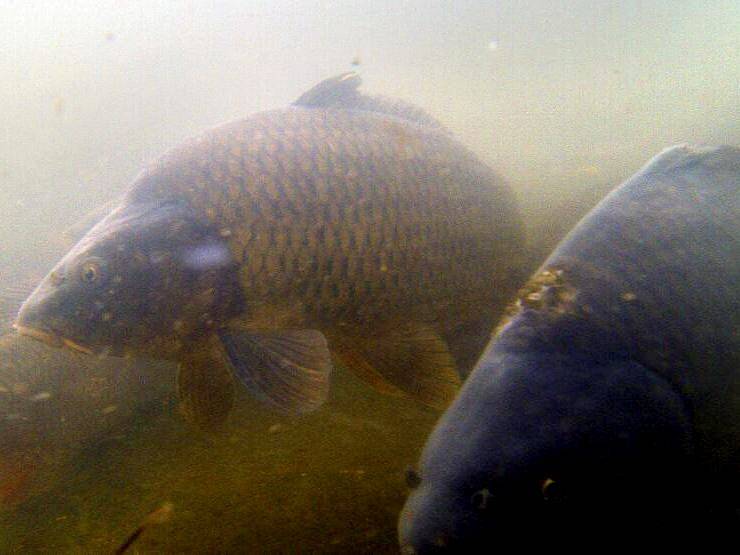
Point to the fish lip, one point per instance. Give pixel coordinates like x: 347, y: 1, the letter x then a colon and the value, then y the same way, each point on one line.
x: 40, y: 335
x: 51, y: 338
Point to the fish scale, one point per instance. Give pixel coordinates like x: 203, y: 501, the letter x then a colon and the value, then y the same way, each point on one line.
x: 327, y: 190
x: 344, y: 224
x: 365, y: 133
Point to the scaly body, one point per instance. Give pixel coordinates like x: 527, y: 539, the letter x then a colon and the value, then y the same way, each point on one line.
x: 343, y: 218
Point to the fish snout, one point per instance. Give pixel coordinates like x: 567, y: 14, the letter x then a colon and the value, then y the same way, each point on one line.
x: 32, y: 320
x: 423, y: 527
x: 428, y: 548
x: 40, y: 317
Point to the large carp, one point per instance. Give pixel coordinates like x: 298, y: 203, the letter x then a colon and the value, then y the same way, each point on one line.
x: 344, y: 223
x: 607, y: 407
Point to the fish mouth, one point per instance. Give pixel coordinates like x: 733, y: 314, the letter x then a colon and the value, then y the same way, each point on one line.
x: 52, y: 339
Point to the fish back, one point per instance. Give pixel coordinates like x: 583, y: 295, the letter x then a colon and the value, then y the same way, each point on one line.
x: 347, y: 211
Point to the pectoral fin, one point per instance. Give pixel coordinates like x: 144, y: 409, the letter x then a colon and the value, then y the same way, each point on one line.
x: 407, y: 358
x: 205, y: 388
x: 289, y: 369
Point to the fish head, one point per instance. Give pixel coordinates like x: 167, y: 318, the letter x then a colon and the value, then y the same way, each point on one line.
x: 540, y: 447
x: 143, y: 281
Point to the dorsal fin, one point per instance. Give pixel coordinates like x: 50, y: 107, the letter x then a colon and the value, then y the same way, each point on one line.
x: 341, y: 92
x: 336, y: 90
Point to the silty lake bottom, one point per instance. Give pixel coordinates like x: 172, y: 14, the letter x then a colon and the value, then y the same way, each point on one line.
x: 328, y: 482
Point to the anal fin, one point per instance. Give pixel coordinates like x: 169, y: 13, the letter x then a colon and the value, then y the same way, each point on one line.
x: 407, y: 358
x: 351, y: 355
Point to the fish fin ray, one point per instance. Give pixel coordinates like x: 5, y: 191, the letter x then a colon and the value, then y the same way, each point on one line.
x: 341, y: 91
x: 356, y: 360
x: 331, y: 91
x: 205, y: 388
x: 407, y: 358
x: 288, y: 369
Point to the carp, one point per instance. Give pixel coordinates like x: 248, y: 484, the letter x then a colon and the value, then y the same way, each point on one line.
x: 345, y: 224
x: 607, y: 404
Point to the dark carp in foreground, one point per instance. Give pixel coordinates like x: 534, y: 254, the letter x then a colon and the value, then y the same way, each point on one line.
x: 608, y: 403
x: 345, y: 223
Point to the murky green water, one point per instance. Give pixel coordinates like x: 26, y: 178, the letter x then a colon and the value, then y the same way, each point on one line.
x: 564, y: 99
x: 324, y: 483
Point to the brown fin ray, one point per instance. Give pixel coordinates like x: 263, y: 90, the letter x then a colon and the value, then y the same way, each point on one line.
x: 407, y: 358
x: 288, y: 369
x: 205, y: 388
x: 354, y: 358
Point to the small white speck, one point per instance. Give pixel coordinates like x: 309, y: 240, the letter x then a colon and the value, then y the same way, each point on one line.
x: 43, y: 396
x: 493, y: 45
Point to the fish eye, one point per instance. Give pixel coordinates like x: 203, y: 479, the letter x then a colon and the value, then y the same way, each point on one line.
x: 481, y: 498
x: 413, y: 480
x: 552, y: 490
x: 90, y: 271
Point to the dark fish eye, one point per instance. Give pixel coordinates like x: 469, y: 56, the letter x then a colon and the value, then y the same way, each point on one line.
x: 552, y: 490
x: 413, y: 480
x: 481, y: 498
x: 90, y: 271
